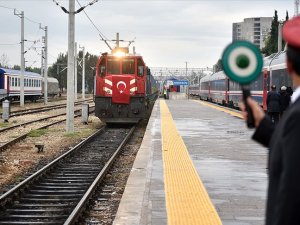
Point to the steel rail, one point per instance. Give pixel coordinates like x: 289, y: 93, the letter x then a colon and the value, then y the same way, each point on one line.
x: 34, y: 121
x: 58, y: 206
x: 41, y: 109
x: 22, y: 137
x: 80, y: 206
x: 22, y: 184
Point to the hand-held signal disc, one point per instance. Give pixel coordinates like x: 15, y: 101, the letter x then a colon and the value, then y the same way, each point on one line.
x: 242, y: 62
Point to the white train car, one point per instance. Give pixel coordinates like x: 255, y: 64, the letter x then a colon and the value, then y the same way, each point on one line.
x: 219, y: 89
x: 53, y: 87
x: 10, y: 85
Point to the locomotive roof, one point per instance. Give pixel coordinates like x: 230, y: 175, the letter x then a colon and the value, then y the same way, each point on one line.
x: 126, y: 55
x: 276, y: 60
x: 205, y: 78
x: 52, y: 79
x: 280, y: 59
x: 217, y: 76
x: 18, y: 72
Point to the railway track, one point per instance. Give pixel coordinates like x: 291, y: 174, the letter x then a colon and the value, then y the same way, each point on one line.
x: 41, y: 109
x: 10, y: 140
x: 59, y: 192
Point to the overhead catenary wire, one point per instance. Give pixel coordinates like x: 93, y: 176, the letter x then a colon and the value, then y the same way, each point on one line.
x: 78, y: 10
x: 100, y: 33
x: 28, y: 19
x: 3, y: 6
x: 10, y: 43
x: 102, y: 36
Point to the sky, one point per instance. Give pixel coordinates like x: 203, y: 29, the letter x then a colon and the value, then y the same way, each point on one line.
x: 166, y: 33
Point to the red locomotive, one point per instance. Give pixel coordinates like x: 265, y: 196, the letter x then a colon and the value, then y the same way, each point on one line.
x: 125, y: 89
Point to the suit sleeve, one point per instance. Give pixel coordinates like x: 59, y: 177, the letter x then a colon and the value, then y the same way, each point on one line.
x: 287, y: 207
x: 264, y: 132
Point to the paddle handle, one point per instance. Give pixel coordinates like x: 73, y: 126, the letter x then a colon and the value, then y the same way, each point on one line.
x: 250, y: 118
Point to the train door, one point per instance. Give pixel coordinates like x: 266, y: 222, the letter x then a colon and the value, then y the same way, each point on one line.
x: 1, y: 80
x: 226, y: 91
x: 100, y: 77
x: 265, y: 88
x: 140, y: 78
x: 209, y: 96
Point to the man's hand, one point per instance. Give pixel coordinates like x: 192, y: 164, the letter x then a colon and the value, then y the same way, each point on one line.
x: 258, y: 113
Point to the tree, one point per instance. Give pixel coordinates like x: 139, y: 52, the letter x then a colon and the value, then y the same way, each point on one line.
x: 59, y: 70
x: 218, y: 66
x: 4, y: 60
x: 286, y: 19
x: 271, y: 41
x: 17, y: 67
x: 33, y: 69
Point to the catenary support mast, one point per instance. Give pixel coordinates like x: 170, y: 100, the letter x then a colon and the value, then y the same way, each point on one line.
x: 70, y: 74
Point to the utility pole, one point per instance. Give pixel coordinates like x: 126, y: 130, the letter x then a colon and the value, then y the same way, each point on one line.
x: 75, y: 59
x: 279, y: 45
x: 83, y: 72
x: 70, y: 84
x: 45, y: 39
x: 42, y: 63
x: 58, y: 71
x: 186, y: 69
x: 117, y: 41
x: 21, y: 15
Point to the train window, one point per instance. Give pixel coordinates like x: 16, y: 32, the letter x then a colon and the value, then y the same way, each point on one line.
x: 102, y: 68
x: 128, y: 66
x: 280, y: 78
x: 113, y: 66
x: 140, y: 67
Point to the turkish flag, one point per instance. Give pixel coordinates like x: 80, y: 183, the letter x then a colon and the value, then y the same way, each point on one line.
x: 121, y: 89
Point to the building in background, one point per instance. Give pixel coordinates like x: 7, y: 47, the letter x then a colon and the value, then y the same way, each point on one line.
x: 254, y: 30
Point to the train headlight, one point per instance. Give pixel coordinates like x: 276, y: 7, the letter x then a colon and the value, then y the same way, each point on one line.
x: 119, y: 54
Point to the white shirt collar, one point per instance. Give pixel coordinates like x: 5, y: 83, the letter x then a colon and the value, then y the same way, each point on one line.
x: 295, y: 95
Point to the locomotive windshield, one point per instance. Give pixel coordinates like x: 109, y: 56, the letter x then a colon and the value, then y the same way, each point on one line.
x: 113, y: 66
x: 128, y: 66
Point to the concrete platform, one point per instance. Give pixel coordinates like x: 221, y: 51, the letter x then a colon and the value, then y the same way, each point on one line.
x: 231, y: 166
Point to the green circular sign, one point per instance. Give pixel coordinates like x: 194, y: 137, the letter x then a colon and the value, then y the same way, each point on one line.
x: 242, y: 62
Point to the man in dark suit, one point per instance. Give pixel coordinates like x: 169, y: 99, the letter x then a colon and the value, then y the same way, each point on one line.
x: 283, y: 203
x: 273, y: 104
x: 285, y: 99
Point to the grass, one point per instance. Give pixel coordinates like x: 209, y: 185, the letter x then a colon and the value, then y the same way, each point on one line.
x: 72, y: 134
x: 37, y: 133
x: 4, y: 125
x: 81, y: 133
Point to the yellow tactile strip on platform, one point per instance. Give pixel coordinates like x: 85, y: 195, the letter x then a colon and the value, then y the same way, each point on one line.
x: 186, y: 198
x: 221, y: 109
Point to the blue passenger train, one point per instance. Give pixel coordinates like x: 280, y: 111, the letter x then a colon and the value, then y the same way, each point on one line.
x: 219, y: 89
x: 33, y: 85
